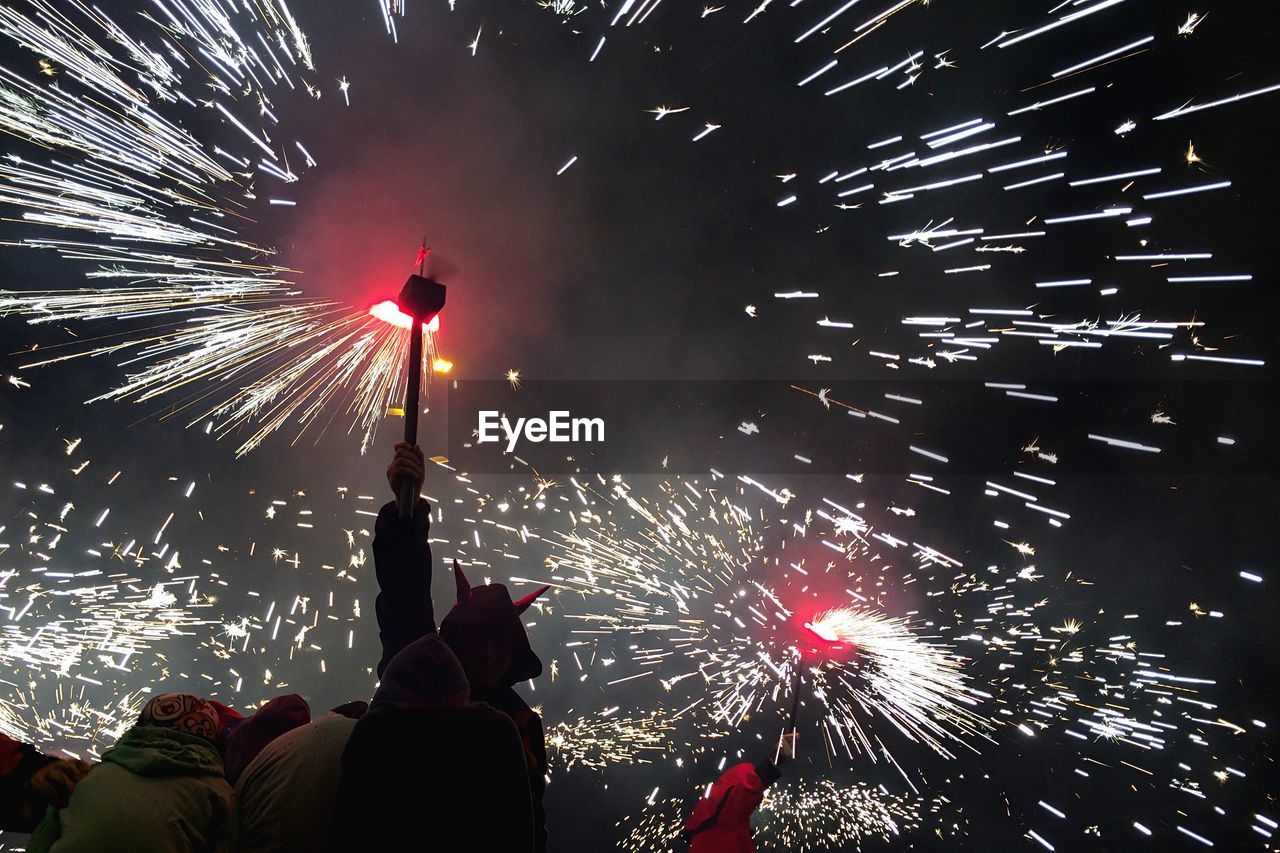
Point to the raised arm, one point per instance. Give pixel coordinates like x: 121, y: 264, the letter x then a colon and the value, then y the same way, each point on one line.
x: 402, y: 560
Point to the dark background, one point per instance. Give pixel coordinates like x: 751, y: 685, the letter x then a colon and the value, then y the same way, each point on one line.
x: 638, y: 261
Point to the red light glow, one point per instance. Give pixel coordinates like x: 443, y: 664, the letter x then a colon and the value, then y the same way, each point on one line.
x: 389, y: 312
x: 822, y: 632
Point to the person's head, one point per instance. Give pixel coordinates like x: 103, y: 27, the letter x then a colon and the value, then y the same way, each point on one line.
x: 485, y: 632
x: 181, y: 712
x: 485, y: 657
x: 425, y: 674
x: 251, y: 736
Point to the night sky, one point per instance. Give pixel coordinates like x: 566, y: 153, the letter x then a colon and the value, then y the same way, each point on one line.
x: 638, y: 263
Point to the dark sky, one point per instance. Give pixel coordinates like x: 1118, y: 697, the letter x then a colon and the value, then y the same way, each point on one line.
x: 638, y: 262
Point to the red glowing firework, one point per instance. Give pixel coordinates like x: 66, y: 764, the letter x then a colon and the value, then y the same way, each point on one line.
x: 823, y: 632
x: 419, y: 302
x: 389, y: 312
x: 825, y: 639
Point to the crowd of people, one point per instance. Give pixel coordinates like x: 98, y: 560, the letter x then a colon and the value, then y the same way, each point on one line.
x: 446, y: 747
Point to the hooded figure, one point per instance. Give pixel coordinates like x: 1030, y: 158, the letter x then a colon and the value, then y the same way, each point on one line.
x: 721, y: 822
x: 427, y: 762
x: 251, y: 735
x: 485, y: 632
x: 160, y: 789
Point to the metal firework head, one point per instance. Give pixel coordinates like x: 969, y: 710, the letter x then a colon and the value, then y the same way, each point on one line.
x: 421, y: 298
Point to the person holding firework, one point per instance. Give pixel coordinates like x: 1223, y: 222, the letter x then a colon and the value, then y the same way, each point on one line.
x: 721, y: 821
x: 459, y: 760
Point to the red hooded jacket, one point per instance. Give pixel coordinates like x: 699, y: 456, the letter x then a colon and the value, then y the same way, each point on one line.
x: 721, y: 822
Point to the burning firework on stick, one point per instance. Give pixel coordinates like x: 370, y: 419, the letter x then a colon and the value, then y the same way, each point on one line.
x: 420, y: 300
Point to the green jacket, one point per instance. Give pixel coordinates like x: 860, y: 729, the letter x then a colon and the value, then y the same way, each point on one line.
x: 158, y: 790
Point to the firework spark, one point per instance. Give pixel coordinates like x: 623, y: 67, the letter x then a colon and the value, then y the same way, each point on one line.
x: 684, y: 599
x: 795, y: 816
